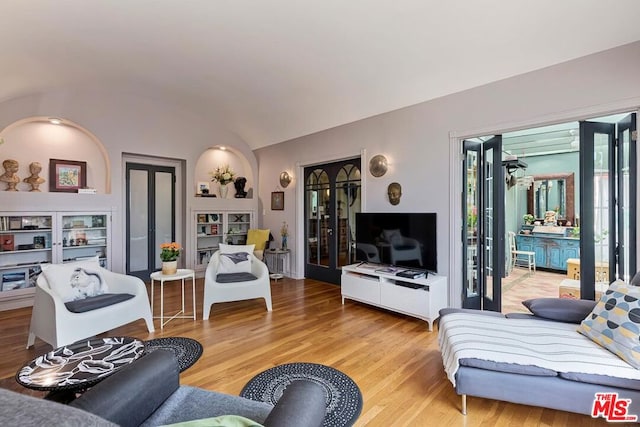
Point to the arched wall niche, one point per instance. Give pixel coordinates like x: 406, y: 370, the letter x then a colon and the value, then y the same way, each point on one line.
x: 36, y: 139
x: 215, y: 157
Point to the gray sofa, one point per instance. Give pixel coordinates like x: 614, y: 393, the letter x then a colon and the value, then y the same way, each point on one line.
x: 148, y: 393
x: 529, y: 385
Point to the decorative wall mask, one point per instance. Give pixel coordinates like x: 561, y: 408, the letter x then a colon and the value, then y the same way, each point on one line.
x: 394, y: 192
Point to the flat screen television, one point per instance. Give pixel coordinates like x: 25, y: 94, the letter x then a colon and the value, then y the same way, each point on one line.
x: 399, y: 239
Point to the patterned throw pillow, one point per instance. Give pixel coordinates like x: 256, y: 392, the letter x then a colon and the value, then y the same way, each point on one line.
x: 236, y: 262
x: 614, y: 323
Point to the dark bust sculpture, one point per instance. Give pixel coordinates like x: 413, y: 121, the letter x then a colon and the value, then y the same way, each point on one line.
x: 240, y: 182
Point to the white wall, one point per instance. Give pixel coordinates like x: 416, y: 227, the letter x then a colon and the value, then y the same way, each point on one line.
x: 418, y: 140
x: 123, y: 123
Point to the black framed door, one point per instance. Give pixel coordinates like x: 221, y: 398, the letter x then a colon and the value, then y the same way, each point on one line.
x: 483, y: 223
x: 332, y: 198
x: 150, y: 215
x: 608, y: 170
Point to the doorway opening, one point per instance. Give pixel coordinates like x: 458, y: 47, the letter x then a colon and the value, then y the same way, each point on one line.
x: 551, y: 241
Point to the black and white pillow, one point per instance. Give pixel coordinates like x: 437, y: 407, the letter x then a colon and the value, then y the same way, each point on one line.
x: 76, y: 280
x: 235, y: 259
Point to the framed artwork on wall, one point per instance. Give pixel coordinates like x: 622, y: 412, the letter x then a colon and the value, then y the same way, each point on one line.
x: 67, y: 176
x: 203, y: 188
x: 277, y: 201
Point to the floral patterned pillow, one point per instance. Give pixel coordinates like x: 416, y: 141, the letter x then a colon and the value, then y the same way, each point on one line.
x: 614, y: 323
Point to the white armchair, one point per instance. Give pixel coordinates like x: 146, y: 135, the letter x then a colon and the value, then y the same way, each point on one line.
x: 52, y: 322
x: 215, y: 291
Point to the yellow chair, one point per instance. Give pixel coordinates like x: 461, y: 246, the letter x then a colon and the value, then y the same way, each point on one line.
x: 259, y: 238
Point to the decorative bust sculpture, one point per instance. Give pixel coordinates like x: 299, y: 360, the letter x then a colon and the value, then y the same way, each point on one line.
x: 10, y: 175
x: 395, y: 192
x: 34, y: 179
x: 240, y: 182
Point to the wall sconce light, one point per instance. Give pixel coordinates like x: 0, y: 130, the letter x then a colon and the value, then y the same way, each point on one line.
x: 378, y: 165
x: 285, y: 179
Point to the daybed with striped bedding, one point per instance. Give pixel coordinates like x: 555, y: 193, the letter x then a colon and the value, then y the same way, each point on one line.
x: 530, y: 361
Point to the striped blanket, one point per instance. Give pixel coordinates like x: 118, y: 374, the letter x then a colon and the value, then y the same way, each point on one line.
x: 551, y: 345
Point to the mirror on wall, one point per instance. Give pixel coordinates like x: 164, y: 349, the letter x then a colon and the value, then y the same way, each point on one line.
x: 552, y: 192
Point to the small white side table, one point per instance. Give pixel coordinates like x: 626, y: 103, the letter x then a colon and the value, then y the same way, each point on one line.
x: 181, y: 274
x: 278, y: 256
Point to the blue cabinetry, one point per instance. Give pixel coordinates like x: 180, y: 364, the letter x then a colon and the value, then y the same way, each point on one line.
x: 552, y: 252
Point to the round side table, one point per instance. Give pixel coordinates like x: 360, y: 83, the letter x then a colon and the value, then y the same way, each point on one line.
x: 181, y: 274
x: 278, y: 256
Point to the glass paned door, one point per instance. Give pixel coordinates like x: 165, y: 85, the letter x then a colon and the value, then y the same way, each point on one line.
x: 627, y: 202
x: 470, y: 231
x: 483, y: 206
x: 332, y: 198
x: 607, y: 220
x: 150, y: 215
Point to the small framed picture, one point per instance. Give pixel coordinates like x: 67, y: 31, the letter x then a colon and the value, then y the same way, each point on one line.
x: 67, y: 176
x: 15, y: 223
x: 202, y: 218
x: 203, y: 187
x: 277, y: 201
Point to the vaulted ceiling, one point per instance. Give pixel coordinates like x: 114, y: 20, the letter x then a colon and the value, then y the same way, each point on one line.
x: 274, y: 70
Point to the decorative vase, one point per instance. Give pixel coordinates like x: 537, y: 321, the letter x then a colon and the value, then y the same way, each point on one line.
x: 284, y: 243
x: 169, y: 267
x: 224, y: 189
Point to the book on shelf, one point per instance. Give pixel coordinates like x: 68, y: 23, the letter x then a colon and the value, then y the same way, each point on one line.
x: 7, y: 242
x: 411, y: 274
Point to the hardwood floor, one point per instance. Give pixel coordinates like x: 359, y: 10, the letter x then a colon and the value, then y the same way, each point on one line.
x: 394, y: 359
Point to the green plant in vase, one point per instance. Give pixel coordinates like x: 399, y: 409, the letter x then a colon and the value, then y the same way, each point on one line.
x: 575, y: 232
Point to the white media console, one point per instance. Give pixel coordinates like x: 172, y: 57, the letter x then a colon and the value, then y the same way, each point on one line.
x: 422, y: 298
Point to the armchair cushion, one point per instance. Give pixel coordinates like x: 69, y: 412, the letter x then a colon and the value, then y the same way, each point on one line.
x: 235, y: 277
x: 98, y: 301
x: 258, y: 237
x: 237, y: 262
x: 230, y: 249
x: 76, y: 280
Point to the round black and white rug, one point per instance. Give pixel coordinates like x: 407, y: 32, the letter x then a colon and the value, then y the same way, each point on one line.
x: 344, y: 399
x: 186, y: 350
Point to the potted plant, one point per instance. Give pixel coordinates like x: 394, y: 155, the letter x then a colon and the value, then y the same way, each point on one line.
x: 528, y: 218
x: 575, y: 232
x: 169, y: 253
